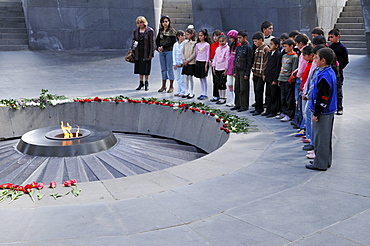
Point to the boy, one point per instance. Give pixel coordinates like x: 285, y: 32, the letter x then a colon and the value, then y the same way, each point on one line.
x: 258, y: 69
x: 267, y: 29
x: 323, y: 105
x: 272, y: 73
x: 289, y: 63
x: 342, y: 56
x: 242, y: 68
x: 301, y: 41
x: 317, y: 31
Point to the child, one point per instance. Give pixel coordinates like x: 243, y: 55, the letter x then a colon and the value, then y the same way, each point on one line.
x: 188, y: 56
x: 202, y: 50
x: 178, y: 63
x: 282, y: 38
x: 258, y: 69
x: 272, y: 74
x: 267, y: 29
x: 289, y: 63
x: 233, y: 37
x: 242, y: 67
x: 213, y: 48
x: 301, y: 41
x: 342, y: 55
x: 323, y: 106
x: 220, y: 67
x: 317, y: 31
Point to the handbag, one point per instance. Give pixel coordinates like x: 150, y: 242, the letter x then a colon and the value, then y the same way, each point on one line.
x: 130, y: 56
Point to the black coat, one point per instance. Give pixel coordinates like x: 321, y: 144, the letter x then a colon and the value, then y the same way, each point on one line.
x: 273, y: 66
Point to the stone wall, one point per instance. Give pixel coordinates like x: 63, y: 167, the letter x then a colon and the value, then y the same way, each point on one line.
x: 328, y: 12
x: 190, y: 127
x: 249, y: 14
x: 85, y: 24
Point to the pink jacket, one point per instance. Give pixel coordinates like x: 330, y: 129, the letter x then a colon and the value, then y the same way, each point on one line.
x: 221, y: 59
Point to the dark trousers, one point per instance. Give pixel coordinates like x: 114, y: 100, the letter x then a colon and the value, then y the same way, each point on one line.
x: 241, y: 90
x: 287, y: 98
x: 323, y: 130
x: 220, y: 80
x: 215, y: 89
x: 259, y: 86
x: 272, y: 98
x: 340, y: 79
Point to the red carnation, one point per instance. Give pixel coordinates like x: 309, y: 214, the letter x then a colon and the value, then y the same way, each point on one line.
x: 53, y: 184
x: 218, y: 120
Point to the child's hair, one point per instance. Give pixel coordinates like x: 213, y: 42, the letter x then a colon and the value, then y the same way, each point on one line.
x: 317, y: 48
x: 327, y: 54
x: 216, y: 33
x: 301, y: 38
x: 258, y: 36
x: 265, y: 25
x: 319, y: 40
x: 284, y: 36
x: 243, y: 33
x: 222, y: 37
x: 334, y: 32
x: 191, y: 31
x: 294, y: 33
x: 179, y: 33
x: 161, y: 21
x: 206, y: 35
x: 307, y: 50
x: 276, y: 41
x: 318, y: 31
x: 289, y: 42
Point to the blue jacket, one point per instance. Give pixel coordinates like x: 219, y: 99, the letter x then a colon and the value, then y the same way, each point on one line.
x: 324, y: 93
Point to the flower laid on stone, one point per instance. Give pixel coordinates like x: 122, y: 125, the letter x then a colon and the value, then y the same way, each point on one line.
x: 14, y: 192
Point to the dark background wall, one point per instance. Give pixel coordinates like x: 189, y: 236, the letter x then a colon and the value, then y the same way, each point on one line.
x: 286, y: 15
x: 84, y: 24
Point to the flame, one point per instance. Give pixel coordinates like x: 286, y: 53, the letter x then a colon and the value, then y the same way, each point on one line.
x: 67, y: 130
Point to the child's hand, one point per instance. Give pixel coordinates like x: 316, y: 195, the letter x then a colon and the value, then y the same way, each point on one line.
x: 225, y: 72
x: 174, y: 67
x: 186, y: 62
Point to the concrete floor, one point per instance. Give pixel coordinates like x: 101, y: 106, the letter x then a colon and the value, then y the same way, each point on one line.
x: 254, y: 190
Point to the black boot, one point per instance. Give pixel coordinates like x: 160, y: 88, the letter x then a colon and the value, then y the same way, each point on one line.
x: 146, y: 87
x: 141, y: 85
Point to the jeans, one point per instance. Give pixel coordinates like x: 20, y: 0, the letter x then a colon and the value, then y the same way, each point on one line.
x: 181, y: 81
x: 165, y: 59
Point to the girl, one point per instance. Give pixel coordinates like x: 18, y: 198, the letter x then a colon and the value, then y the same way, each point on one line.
x: 220, y: 67
x: 202, y: 51
x: 188, y: 56
x: 165, y: 40
x: 178, y: 63
x: 213, y: 48
x: 144, y: 51
x: 233, y: 37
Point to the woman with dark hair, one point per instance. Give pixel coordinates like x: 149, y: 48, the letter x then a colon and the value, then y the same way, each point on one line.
x: 144, y: 51
x: 166, y: 38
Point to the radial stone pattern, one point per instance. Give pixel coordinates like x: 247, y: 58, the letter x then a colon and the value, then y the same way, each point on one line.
x: 132, y: 155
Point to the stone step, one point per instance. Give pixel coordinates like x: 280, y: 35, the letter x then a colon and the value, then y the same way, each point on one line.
x: 13, y: 30
x: 352, y: 8
x: 351, y: 14
x: 11, y: 14
x: 357, y: 51
x: 13, y: 36
x: 12, y: 24
x: 13, y: 47
x: 350, y: 20
x: 353, y: 3
x: 10, y: 4
x: 13, y: 42
x: 11, y: 9
x: 181, y: 15
x: 178, y: 5
x: 349, y: 26
x: 353, y: 37
x: 168, y: 11
x: 354, y: 44
x: 352, y: 31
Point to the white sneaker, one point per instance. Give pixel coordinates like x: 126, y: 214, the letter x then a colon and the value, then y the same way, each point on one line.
x: 310, y: 156
x: 280, y: 116
x: 285, y: 119
x: 230, y: 104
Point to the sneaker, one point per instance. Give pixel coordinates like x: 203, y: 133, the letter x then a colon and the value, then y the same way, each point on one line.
x: 285, y: 119
x: 340, y: 112
x: 306, y: 140
x: 280, y: 116
x: 301, y: 133
x: 221, y: 101
x: 230, y: 104
x: 310, y: 151
x: 200, y: 97
x: 214, y: 99
x: 311, y: 155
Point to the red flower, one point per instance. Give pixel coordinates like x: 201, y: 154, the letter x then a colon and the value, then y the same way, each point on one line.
x: 225, y: 125
x: 97, y: 99
x: 67, y: 183
x: 28, y: 188
x: 73, y: 181
x: 218, y: 120
x: 40, y: 186
x: 53, y: 184
x: 76, y: 100
x: 106, y: 100
x: 9, y: 186
x: 224, y: 120
x: 34, y: 184
x: 20, y: 188
x: 227, y: 130
x: 203, y: 111
x: 212, y: 114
